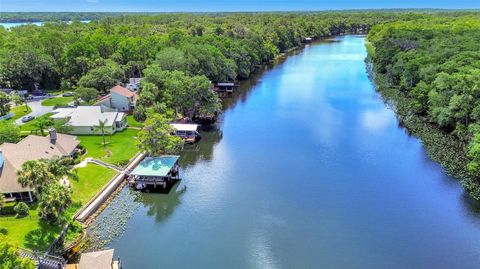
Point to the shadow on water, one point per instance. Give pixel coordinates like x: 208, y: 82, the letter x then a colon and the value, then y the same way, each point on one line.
x: 162, y: 206
x: 203, y: 150
x: 472, y: 205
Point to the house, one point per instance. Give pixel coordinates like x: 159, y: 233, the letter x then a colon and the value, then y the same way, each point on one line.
x: 32, y: 147
x: 120, y: 98
x: 97, y: 260
x: 85, y: 119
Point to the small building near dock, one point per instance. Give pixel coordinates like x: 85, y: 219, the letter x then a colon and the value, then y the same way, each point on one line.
x: 224, y: 87
x: 99, y: 260
x: 308, y: 40
x: 155, y: 172
x: 188, y: 132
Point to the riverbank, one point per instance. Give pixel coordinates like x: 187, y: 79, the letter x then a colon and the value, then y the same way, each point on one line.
x: 442, y: 147
x: 306, y: 168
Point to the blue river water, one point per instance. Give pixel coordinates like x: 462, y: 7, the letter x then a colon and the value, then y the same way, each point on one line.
x: 9, y: 25
x: 307, y: 169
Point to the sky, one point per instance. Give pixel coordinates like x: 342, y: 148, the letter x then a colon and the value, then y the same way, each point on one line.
x: 225, y: 5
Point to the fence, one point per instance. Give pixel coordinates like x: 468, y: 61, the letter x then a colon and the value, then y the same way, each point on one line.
x: 8, y: 116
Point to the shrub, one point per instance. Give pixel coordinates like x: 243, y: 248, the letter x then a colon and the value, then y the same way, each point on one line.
x: 21, y: 209
x: 122, y: 163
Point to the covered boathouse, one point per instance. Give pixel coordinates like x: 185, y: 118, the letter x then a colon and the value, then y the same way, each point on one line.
x: 224, y: 88
x: 154, y: 172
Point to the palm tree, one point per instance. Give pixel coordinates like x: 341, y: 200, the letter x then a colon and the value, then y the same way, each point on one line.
x: 2, y: 200
x: 60, y: 167
x: 53, y: 201
x: 101, y: 127
x: 36, y: 175
x: 41, y: 124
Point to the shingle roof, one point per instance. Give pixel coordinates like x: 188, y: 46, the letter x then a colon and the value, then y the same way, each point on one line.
x: 31, y: 147
x: 122, y: 91
x: 98, y: 260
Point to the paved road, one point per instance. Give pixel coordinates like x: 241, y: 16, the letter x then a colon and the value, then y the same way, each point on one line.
x: 37, y: 110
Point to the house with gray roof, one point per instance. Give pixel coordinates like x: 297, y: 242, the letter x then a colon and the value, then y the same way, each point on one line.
x: 85, y: 119
x: 32, y: 147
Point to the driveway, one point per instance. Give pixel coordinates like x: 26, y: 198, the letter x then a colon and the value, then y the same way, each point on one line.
x: 37, y: 110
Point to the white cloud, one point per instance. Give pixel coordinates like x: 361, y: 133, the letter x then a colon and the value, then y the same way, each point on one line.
x: 92, y: 1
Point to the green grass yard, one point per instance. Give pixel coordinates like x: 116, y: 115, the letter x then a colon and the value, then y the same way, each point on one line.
x: 91, y: 179
x: 133, y: 123
x: 120, y: 146
x: 30, y: 231
x: 57, y: 101
x: 30, y: 126
x: 34, y: 233
x: 19, y: 112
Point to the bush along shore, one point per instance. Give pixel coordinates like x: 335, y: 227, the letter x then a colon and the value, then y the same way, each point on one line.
x: 441, y: 146
x: 429, y: 75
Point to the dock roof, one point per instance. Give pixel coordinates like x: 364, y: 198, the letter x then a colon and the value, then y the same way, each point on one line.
x: 99, y: 260
x: 184, y: 127
x: 155, y: 166
x: 225, y: 84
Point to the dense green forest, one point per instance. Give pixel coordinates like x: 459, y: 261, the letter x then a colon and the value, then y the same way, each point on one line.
x: 202, y: 47
x: 431, y: 69
x: 53, y: 16
x: 429, y: 58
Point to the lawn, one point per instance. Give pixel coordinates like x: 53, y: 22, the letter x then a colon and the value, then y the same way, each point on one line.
x: 20, y: 111
x: 30, y: 231
x: 120, y: 147
x: 57, y: 101
x: 91, y: 179
x: 30, y: 126
x: 133, y: 123
x: 34, y: 233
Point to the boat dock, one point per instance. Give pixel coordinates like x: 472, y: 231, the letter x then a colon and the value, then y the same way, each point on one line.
x: 154, y: 172
x: 224, y: 88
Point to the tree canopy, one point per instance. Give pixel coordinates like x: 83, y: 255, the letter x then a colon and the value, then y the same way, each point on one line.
x: 435, y: 63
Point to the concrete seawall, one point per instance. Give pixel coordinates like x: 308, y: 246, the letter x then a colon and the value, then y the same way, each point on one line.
x: 102, y: 196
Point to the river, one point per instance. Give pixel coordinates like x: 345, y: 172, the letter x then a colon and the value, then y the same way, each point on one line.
x: 9, y: 25
x: 307, y: 169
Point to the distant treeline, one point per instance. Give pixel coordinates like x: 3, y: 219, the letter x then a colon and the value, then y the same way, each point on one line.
x: 177, y: 53
x: 90, y: 16
x: 53, y: 16
x: 431, y: 68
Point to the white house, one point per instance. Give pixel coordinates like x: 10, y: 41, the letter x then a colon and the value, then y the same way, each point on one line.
x: 32, y: 147
x: 85, y: 119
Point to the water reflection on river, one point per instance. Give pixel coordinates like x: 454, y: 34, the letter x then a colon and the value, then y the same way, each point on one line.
x: 307, y: 169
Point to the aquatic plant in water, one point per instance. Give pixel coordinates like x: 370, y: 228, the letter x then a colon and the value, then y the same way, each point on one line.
x: 111, y: 223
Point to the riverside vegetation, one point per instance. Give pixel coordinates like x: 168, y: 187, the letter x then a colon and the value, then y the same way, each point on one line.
x: 178, y: 55
x: 430, y: 69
